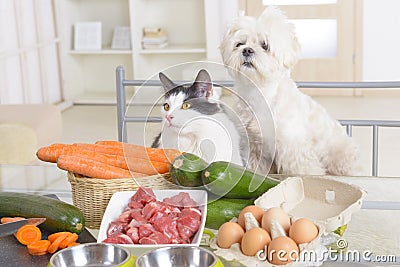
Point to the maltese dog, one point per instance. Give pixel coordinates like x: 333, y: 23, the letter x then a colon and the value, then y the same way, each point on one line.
x: 259, y: 54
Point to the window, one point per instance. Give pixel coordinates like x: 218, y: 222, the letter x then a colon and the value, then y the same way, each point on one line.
x: 30, y: 71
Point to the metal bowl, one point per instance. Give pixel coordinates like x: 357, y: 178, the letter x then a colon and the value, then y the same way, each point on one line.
x: 178, y: 256
x: 92, y: 254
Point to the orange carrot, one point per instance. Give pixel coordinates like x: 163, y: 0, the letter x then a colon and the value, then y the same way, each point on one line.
x: 72, y: 237
x: 51, y: 153
x: 54, y: 236
x: 91, y: 168
x: 136, y: 151
x: 28, y: 234
x: 114, y: 160
x: 146, y: 166
x: 154, y: 154
x: 55, y: 245
x: 101, y: 148
x: 118, y: 161
x: 110, y: 143
x: 134, y: 164
x: 11, y: 219
x: 39, y: 247
x: 140, y: 165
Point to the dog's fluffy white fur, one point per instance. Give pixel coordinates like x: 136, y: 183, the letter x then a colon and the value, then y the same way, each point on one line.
x: 259, y: 54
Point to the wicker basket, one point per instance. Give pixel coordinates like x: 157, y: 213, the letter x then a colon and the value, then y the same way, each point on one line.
x: 91, y: 195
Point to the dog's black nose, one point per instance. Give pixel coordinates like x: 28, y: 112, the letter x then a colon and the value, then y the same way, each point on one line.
x: 248, y: 51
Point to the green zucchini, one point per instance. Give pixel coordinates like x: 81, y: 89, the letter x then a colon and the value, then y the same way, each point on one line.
x: 234, y: 181
x: 60, y: 216
x: 224, y: 209
x: 186, y: 170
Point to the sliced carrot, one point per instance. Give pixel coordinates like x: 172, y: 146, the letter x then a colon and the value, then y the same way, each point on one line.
x: 28, y: 234
x: 39, y: 247
x: 72, y: 237
x: 73, y: 244
x: 11, y: 219
x: 52, y: 152
x: 54, y: 236
x: 92, y: 168
x: 38, y: 253
x: 55, y: 245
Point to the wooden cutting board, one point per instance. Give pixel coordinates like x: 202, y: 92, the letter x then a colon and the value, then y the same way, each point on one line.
x: 13, y: 254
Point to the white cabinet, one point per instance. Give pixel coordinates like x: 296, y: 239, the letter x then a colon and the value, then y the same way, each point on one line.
x: 192, y: 36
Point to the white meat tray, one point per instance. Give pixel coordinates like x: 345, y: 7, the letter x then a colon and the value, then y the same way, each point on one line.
x: 119, y: 202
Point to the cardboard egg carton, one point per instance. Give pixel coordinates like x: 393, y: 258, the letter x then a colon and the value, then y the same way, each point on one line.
x: 327, y: 202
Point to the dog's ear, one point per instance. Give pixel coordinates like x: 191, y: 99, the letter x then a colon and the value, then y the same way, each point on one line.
x: 291, y: 57
x: 281, y: 36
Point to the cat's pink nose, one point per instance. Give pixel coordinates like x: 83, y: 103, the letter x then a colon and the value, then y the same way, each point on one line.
x: 169, y: 117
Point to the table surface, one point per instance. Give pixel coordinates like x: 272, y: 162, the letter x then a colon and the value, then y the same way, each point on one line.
x: 375, y: 228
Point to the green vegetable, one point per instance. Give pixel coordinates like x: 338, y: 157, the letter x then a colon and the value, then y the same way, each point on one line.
x: 186, y: 170
x: 224, y: 209
x: 233, y: 181
x: 60, y: 216
x: 340, y: 230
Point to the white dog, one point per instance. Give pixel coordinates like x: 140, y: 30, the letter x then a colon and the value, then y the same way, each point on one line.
x: 259, y: 54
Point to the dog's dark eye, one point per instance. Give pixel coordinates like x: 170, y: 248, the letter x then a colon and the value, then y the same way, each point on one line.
x: 265, y: 46
x: 239, y: 44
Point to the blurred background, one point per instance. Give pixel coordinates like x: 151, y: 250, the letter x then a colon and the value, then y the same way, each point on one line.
x: 64, y: 53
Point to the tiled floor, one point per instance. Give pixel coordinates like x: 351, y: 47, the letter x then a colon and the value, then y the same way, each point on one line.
x: 88, y: 123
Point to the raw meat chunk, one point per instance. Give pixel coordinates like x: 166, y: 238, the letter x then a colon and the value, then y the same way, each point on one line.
x: 143, y: 195
x: 155, y: 238
x: 115, y: 228
x: 118, y: 239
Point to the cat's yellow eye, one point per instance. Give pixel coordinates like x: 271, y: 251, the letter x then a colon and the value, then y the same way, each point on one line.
x: 186, y: 105
x: 166, y: 106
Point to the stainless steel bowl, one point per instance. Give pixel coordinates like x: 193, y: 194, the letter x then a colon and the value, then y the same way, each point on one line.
x: 177, y: 256
x: 92, y: 254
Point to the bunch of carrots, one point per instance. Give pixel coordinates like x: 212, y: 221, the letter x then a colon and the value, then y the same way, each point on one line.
x: 31, y: 236
x: 109, y: 159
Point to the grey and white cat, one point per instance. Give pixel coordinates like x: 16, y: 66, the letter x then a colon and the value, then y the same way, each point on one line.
x: 196, y: 123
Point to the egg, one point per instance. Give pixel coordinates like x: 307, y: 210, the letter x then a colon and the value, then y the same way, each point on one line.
x: 229, y: 233
x: 256, y: 211
x: 303, y: 231
x: 278, y: 215
x: 254, y: 240
x: 282, y: 250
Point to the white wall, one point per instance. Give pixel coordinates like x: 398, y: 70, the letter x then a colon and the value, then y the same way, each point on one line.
x: 219, y: 14
x: 381, y: 40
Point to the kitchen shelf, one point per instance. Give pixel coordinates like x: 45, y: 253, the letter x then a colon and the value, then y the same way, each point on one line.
x: 101, y: 52
x: 92, y: 72
x: 177, y: 49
